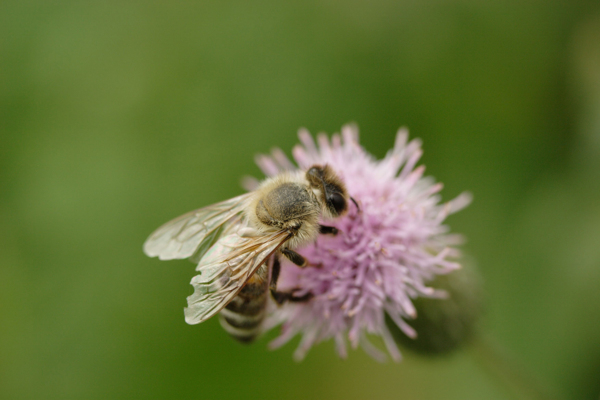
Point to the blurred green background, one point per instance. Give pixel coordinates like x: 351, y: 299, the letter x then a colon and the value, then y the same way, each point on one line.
x: 118, y: 116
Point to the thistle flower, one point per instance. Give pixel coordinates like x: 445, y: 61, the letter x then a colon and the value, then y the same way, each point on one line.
x: 384, y: 255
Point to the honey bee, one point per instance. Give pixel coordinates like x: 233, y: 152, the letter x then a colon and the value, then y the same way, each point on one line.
x: 237, y: 244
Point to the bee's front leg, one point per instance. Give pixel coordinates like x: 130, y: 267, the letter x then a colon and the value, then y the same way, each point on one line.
x: 328, y: 230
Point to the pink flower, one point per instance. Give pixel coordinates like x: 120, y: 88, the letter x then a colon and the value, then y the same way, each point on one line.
x: 384, y: 254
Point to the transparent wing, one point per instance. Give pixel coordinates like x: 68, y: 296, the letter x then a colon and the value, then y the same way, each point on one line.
x: 196, y: 231
x: 225, y: 269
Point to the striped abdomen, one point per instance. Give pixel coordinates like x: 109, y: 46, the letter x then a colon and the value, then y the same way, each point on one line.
x: 243, y: 316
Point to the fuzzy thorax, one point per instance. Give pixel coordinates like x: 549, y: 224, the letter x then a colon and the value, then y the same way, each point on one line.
x: 286, y: 202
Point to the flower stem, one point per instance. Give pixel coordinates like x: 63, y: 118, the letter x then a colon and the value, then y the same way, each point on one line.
x: 508, y: 371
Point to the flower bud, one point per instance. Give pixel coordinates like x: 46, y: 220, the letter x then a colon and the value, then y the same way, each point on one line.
x: 444, y: 324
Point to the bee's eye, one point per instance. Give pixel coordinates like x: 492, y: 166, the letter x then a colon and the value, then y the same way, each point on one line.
x: 337, y: 201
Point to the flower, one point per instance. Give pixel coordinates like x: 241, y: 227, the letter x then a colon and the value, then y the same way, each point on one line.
x: 383, y: 256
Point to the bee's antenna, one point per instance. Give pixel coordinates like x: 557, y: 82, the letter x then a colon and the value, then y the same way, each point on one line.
x: 355, y: 203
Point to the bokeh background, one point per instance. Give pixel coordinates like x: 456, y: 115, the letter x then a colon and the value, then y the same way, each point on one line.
x: 117, y: 116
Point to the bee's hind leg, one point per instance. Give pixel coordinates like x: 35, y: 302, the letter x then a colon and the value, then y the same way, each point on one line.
x: 282, y: 297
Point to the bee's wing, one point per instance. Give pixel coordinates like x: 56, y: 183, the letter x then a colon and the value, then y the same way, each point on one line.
x: 183, y: 236
x: 225, y: 269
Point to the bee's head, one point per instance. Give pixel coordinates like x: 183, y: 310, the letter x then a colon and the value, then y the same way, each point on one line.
x: 331, y: 189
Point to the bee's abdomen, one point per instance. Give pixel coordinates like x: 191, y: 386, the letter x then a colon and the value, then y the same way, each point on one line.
x: 242, y: 317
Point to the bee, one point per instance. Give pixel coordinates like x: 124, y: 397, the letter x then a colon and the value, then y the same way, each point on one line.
x: 238, y: 242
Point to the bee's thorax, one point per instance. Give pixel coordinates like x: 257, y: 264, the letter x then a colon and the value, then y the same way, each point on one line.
x: 286, y: 202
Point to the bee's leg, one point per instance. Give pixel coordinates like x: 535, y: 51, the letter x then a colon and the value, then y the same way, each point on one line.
x: 282, y: 297
x: 328, y: 230
x: 289, y: 296
x: 295, y: 257
x: 279, y: 297
x: 298, y: 259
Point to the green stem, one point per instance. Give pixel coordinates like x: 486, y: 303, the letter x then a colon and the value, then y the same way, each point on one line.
x: 508, y: 371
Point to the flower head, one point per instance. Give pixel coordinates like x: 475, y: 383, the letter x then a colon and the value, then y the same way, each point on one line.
x: 386, y: 252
